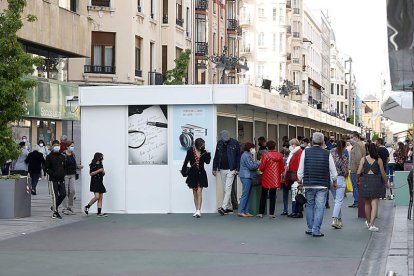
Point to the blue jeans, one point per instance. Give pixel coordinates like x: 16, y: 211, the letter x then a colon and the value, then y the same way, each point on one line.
x: 286, y: 200
x: 354, y: 187
x: 338, y: 196
x: 244, y: 199
x: 390, y: 172
x: 314, y: 208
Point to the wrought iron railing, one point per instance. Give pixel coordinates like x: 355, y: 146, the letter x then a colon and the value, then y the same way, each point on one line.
x: 296, y: 11
x: 232, y: 24
x: 201, y: 48
x: 99, y: 69
x: 201, y: 5
x: 296, y: 34
x: 179, y: 22
x: 289, y: 4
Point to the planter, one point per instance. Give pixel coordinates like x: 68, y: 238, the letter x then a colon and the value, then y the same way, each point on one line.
x: 15, y: 198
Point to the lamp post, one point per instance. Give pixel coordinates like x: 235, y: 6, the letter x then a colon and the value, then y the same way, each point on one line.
x: 224, y: 63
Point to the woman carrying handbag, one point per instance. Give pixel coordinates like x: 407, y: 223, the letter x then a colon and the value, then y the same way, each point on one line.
x: 196, y: 175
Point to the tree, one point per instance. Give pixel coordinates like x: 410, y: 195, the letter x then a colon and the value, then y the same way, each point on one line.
x: 177, y: 74
x: 15, y: 64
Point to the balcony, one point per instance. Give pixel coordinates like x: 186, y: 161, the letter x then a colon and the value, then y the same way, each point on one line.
x: 201, y: 48
x: 138, y: 73
x: 296, y: 34
x: 232, y: 24
x: 101, y: 3
x: 296, y: 11
x: 201, y: 5
x: 155, y: 78
x: 288, y: 4
x: 305, y: 68
x: 295, y: 60
x: 99, y: 69
x: 179, y: 22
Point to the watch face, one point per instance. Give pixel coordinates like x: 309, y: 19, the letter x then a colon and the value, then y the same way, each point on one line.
x: 186, y: 139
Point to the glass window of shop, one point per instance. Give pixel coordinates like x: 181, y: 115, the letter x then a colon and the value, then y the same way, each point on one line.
x: 46, y: 131
x: 21, y: 128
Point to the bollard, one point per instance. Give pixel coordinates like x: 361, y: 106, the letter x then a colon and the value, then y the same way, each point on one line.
x: 391, y: 273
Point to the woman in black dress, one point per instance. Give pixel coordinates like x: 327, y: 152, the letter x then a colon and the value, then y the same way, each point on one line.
x: 372, y: 184
x: 196, y: 174
x: 97, y: 173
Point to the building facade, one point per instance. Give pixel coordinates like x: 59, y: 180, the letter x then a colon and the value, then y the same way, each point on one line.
x: 371, y: 119
x: 60, y: 33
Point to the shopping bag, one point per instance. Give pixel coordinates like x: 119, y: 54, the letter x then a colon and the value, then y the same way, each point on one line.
x: 348, y: 188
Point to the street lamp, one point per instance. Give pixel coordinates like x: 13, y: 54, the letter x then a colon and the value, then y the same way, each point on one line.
x: 224, y: 63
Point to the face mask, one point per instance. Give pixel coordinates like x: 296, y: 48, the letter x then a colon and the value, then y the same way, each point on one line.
x: 56, y: 148
x: 253, y: 151
x: 71, y: 148
x: 302, y: 145
x: 41, y: 145
x: 291, y: 148
x: 24, y: 140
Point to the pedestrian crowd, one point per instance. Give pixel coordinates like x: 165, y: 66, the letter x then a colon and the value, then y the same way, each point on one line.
x: 307, y: 170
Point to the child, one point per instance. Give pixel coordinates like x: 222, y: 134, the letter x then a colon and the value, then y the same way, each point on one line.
x: 97, y: 173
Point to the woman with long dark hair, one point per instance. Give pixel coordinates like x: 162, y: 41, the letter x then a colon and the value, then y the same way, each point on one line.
x: 399, y: 157
x: 97, y: 187
x: 338, y: 189
x: 373, y: 184
x: 196, y: 175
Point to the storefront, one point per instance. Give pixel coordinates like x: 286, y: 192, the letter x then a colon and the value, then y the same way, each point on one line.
x: 48, y: 104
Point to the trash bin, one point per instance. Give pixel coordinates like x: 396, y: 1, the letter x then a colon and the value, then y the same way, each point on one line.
x: 15, y: 198
x: 254, y: 199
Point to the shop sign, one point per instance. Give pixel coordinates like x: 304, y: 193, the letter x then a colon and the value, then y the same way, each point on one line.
x: 49, y: 100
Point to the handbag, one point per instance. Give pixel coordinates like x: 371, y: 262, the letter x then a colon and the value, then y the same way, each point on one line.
x: 290, y: 177
x: 257, y: 179
x: 186, y: 171
x: 300, y: 199
x: 348, y: 188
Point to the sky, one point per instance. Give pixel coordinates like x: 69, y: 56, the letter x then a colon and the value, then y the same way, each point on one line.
x: 361, y: 32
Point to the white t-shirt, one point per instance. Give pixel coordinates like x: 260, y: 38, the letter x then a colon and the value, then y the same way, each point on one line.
x: 391, y: 153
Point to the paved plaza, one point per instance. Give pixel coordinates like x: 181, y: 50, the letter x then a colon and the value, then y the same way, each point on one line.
x: 178, y: 244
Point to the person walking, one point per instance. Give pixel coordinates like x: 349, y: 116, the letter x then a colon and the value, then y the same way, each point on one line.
x: 97, y: 172
x: 35, y: 161
x: 373, y: 183
x: 338, y: 191
x: 389, y: 170
x: 196, y: 175
x: 357, y: 152
x: 291, y: 169
x: 316, y: 173
x: 45, y: 151
x: 272, y: 166
x: 19, y: 165
x: 399, y: 157
x: 55, y: 168
x: 227, y: 162
x: 71, y: 166
x: 248, y: 167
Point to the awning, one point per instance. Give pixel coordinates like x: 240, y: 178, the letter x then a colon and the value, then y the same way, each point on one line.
x: 398, y: 107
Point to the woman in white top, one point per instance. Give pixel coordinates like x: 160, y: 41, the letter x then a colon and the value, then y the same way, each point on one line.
x: 389, y: 170
x: 45, y: 151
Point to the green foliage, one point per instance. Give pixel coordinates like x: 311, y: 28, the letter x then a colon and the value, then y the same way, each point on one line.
x: 14, y: 65
x: 177, y: 74
x: 375, y: 137
x: 350, y: 119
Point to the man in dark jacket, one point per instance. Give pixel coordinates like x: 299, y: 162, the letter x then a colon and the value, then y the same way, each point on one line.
x: 227, y: 161
x: 316, y: 172
x: 35, y: 161
x: 55, y: 168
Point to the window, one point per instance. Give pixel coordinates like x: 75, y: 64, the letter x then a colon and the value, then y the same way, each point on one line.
x: 101, y: 3
x: 274, y: 14
x: 164, y: 59
x: 342, y: 89
x: 179, y: 13
x: 103, y: 53
x: 232, y: 46
x: 139, y: 6
x: 165, y: 12
x: 342, y: 107
x: 296, y: 55
x: 332, y: 88
x: 281, y: 44
x: 214, y: 43
x: 201, y: 28
x: 261, y: 39
x: 274, y: 42
x: 296, y: 78
x: 346, y: 93
x: 68, y: 4
x: 187, y: 24
x: 152, y: 5
x: 261, y: 12
x: 337, y: 89
x: 260, y: 70
x: 138, y: 45
x: 337, y: 107
x: 152, y: 57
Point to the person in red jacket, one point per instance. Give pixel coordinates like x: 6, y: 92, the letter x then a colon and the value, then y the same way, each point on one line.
x: 272, y: 166
x: 292, y: 165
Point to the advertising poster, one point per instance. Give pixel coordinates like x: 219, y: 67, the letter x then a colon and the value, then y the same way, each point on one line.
x: 192, y: 122
x: 147, y: 135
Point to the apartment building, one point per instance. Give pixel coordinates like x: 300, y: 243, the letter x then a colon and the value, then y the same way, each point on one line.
x: 339, y: 89
x: 371, y: 119
x: 60, y: 34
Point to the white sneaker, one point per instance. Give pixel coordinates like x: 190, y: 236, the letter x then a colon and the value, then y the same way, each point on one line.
x: 195, y: 214
x: 198, y: 214
x: 366, y: 223
x: 373, y: 228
